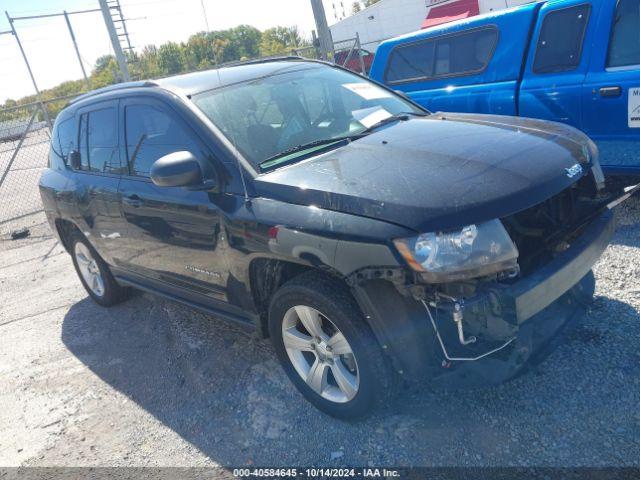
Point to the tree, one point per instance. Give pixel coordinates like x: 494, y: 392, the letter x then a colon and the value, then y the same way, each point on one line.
x: 198, y: 52
x: 103, y: 63
x: 148, y: 63
x: 368, y: 3
x: 202, y: 50
x: 356, y: 7
x: 248, y: 40
x: 281, y: 41
x: 170, y: 58
x: 105, y: 71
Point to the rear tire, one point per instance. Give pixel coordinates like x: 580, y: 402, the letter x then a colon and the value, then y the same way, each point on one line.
x: 326, y: 347
x: 94, y: 273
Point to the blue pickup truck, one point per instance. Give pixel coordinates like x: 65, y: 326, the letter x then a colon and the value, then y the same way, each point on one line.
x: 571, y: 61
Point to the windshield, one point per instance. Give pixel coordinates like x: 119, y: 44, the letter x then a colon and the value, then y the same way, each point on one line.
x: 270, y: 118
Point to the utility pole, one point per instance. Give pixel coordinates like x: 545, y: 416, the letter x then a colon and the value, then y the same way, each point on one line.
x: 26, y: 61
x: 75, y: 46
x: 120, y: 21
x: 324, y: 34
x: 115, y: 40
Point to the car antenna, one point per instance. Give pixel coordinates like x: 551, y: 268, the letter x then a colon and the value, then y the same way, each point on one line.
x: 247, y: 199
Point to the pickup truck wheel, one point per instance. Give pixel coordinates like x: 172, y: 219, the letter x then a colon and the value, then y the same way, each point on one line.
x: 94, y: 274
x: 326, y: 348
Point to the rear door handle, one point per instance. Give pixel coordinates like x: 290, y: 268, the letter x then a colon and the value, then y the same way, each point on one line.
x: 610, y: 91
x: 133, y: 200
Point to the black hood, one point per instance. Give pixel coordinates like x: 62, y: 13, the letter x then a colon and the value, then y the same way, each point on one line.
x: 438, y: 172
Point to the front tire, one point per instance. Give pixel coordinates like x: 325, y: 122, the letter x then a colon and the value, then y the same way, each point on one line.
x: 94, y: 273
x: 326, y: 348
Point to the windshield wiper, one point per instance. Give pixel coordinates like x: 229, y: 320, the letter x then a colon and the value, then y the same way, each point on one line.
x: 279, y: 157
x: 307, y: 146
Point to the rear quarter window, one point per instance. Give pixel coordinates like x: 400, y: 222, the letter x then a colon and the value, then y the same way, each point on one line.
x: 64, y: 139
x: 559, y: 47
x: 460, y: 54
x: 624, y: 47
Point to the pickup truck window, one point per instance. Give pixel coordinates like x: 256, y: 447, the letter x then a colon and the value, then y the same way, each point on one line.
x: 450, y: 55
x: 559, y: 46
x: 624, y: 48
x: 413, y: 62
x: 152, y: 133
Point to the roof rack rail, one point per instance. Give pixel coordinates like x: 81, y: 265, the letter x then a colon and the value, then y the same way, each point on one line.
x: 253, y: 61
x: 111, y: 88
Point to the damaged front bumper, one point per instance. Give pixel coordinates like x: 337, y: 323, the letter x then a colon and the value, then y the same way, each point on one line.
x: 490, y: 336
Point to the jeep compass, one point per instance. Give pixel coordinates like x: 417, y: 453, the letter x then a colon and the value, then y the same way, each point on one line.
x: 373, y: 241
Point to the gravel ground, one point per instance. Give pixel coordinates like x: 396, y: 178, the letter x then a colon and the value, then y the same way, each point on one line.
x: 152, y: 383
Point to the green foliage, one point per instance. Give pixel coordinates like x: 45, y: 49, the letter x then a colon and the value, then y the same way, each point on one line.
x: 170, y: 58
x: 201, y: 51
x: 356, y: 7
x: 281, y: 41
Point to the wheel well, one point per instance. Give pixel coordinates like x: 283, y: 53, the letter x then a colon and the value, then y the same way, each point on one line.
x: 266, y: 277
x: 65, y: 230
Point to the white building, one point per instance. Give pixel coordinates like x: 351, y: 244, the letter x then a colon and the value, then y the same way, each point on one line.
x: 390, y: 18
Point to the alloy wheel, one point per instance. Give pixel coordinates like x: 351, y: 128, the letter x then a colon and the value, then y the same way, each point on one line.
x: 320, y: 354
x: 89, y: 269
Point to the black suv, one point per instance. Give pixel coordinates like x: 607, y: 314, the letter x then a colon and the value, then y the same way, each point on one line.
x: 370, y: 239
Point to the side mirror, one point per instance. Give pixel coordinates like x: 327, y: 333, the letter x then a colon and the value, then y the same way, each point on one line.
x: 74, y: 159
x: 178, y: 169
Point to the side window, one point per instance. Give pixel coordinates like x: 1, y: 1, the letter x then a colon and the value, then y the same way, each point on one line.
x: 410, y: 62
x: 102, y: 140
x: 67, y: 137
x: 98, y: 141
x: 82, y: 143
x: 465, y: 54
x: 152, y: 133
x: 453, y: 55
x: 560, y: 44
x: 624, y: 47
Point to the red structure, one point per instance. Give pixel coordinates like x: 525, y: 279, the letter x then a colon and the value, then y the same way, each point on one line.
x: 460, y: 9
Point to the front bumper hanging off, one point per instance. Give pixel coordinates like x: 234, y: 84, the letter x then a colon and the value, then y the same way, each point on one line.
x: 425, y: 342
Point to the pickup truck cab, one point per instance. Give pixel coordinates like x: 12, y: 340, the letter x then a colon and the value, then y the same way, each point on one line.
x: 370, y: 239
x: 570, y: 61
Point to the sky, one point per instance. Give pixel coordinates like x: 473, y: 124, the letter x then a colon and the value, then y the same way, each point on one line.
x: 50, y: 51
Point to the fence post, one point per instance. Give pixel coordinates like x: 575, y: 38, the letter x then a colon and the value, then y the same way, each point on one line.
x: 26, y: 61
x: 75, y: 46
x: 358, y: 46
x: 15, y: 152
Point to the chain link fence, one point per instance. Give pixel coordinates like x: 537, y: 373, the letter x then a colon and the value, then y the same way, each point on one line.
x: 24, y: 149
x: 346, y: 53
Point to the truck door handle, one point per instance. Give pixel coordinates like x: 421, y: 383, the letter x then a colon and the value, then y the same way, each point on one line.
x: 610, y: 91
x: 133, y: 200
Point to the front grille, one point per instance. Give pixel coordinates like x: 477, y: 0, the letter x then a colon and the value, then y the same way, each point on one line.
x: 542, y: 231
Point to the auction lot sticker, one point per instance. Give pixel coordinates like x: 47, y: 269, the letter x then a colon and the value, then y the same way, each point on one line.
x: 634, y: 107
x: 369, y: 91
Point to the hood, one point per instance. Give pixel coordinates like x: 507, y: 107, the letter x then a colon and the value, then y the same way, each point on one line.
x: 438, y: 172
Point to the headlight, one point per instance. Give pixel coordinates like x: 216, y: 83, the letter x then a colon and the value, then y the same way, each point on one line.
x: 473, y: 251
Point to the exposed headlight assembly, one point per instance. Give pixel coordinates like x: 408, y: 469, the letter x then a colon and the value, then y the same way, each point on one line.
x: 473, y: 251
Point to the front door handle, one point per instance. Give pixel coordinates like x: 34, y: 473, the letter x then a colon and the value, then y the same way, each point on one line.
x: 610, y: 91
x: 133, y: 200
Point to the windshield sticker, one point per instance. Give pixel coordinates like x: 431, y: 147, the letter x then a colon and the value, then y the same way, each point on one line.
x: 634, y: 108
x: 368, y: 91
x: 370, y: 116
